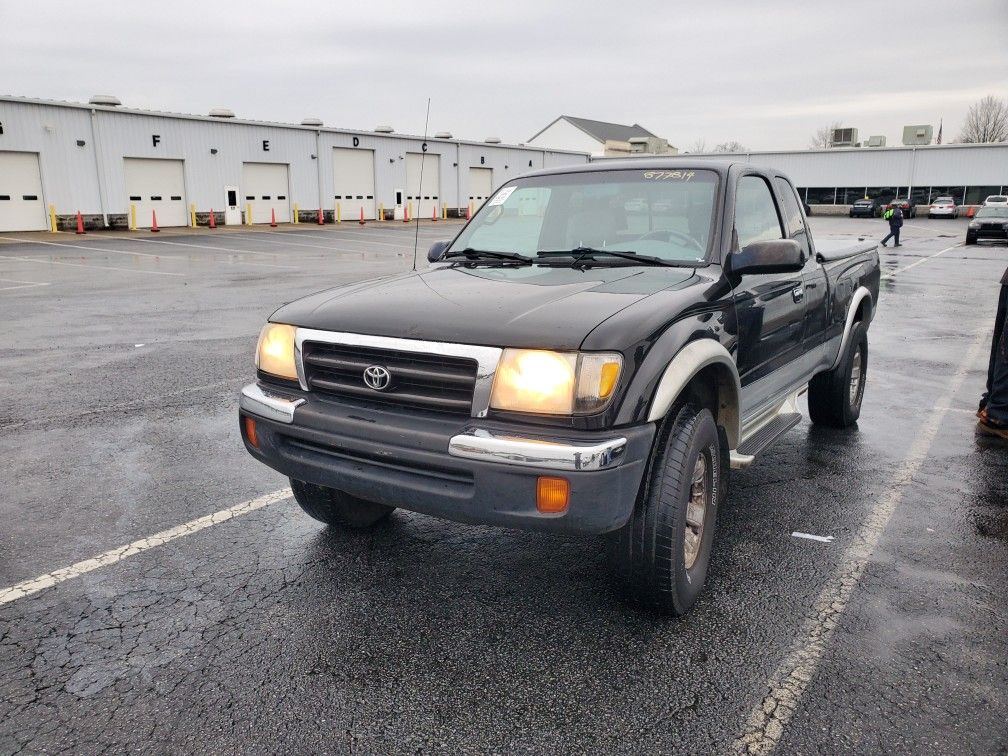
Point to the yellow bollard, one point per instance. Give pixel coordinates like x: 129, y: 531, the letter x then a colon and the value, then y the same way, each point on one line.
x: 192, y: 215
x: 339, y: 213
x: 53, y: 225
x: 381, y: 211
x: 296, y: 211
x: 409, y: 206
x: 248, y: 214
x: 133, y: 225
x: 444, y: 211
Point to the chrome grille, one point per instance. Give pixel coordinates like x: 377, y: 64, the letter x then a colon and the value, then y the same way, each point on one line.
x: 434, y: 382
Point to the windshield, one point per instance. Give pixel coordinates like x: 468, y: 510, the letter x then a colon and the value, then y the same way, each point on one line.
x: 992, y: 212
x: 666, y: 214
x: 997, y: 198
x: 944, y: 200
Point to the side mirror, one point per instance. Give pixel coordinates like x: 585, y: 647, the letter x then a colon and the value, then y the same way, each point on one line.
x: 776, y: 256
x: 437, y: 250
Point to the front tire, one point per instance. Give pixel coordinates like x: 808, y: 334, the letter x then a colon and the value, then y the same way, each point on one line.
x: 334, y: 507
x: 835, y: 396
x: 970, y: 239
x: 664, y: 550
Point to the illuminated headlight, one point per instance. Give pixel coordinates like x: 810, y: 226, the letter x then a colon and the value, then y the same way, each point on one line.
x: 974, y: 224
x: 555, y: 383
x: 275, y: 352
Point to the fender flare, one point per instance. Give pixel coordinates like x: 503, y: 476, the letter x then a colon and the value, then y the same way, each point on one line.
x: 852, y: 310
x: 689, y: 361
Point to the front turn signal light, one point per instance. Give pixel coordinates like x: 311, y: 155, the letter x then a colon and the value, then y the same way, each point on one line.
x: 552, y: 495
x: 275, y: 352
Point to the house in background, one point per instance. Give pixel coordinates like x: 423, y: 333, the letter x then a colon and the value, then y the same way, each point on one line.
x: 600, y: 138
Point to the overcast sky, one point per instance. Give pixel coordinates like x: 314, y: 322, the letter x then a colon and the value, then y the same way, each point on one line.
x: 767, y: 73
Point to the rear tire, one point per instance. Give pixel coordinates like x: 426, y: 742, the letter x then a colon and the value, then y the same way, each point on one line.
x: 662, y: 553
x: 334, y: 507
x: 835, y: 396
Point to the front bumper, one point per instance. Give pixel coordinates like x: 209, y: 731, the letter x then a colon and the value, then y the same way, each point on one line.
x: 461, y: 468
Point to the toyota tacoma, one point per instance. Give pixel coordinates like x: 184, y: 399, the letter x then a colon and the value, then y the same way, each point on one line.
x: 592, y: 353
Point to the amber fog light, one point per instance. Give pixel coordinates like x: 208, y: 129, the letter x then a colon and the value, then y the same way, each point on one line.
x: 552, y: 495
x: 250, y: 431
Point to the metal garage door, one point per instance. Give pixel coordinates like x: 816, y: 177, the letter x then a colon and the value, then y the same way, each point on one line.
x: 480, y: 186
x: 353, y: 182
x: 266, y: 187
x: 21, y: 205
x: 156, y: 186
x: 424, y: 198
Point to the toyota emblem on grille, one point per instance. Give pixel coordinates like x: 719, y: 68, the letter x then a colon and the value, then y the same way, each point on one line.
x: 377, y: 377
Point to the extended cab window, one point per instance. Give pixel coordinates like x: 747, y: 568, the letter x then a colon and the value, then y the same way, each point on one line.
x: 795, y: 224
x: 756, y: 216
x: 666, y: 213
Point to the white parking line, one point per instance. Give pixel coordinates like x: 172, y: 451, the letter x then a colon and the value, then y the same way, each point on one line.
x: 915, y: 264
x: 81, y: 246
x: 21, y: 284
x: 765, y: 725
x: 40, y: 583
x: 315, y: 246
x: 93, y: 267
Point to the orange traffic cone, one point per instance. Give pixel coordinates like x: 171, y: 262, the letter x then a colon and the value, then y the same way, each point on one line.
x: 272, y: 218
x: 468, y: 212
x: 80, y: 223
x: 405, y: 214
x: 154, y: 226
x: 433, y: 213
x: 361, y: 221
x: 321, y: 219
x: 213, y: 219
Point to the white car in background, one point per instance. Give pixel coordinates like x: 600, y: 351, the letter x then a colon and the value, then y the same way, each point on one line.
x: 996, y: 200
x: 943, y: 207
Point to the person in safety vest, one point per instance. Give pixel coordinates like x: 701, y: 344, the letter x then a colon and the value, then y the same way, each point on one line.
x: 895, y: 217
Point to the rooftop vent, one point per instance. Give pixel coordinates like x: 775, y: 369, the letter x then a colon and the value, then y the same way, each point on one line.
x: 384, y: 130
x: 111, y: 100
x: 443, y: 135
x: 221, y: 113
x: 492, y: 140
x: 311, y: 122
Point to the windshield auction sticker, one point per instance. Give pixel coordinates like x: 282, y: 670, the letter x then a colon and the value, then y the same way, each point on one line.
x: 669, y: 175
x: 501, y: 197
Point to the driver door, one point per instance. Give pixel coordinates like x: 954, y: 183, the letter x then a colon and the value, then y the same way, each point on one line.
x: 770, y: 307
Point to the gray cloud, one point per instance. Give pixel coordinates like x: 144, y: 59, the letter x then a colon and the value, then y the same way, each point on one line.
x: 765, y: 73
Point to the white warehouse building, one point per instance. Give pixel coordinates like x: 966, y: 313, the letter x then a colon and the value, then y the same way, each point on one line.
x: 837, y: 177
x: 117, y: 166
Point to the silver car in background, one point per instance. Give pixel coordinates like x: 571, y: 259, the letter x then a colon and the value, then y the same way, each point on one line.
x: 943, y: 207
x: 996, y: 200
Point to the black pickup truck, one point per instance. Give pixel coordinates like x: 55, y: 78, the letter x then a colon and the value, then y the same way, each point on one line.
x: 590, y: 354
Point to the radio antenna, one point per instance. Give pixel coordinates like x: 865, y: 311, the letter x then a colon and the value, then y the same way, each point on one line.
x: 423, y: 159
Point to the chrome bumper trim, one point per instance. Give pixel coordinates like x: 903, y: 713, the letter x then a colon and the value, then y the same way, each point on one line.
x: 262, y: 402
x: 484, y: 446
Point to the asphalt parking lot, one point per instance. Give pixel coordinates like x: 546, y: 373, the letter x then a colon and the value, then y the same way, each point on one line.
x: 258, y: 630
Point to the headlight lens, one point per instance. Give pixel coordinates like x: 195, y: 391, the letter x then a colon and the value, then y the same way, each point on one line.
x: 275, y: 352
x: 974, y: 224
x: 555, y: 383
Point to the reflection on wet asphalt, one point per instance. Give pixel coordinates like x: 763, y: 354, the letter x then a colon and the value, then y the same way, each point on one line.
x: 270, y: 633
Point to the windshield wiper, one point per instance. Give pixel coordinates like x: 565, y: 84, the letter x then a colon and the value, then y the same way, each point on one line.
x: 582, y: 254
x: 475, y: 255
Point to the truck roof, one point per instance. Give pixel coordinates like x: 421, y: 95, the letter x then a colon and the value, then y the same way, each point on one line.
x: 663, y: 163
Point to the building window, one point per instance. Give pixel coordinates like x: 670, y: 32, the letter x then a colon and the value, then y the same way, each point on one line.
x: 919, y: 195
x: 975, y: 195
x: 821, y: 195
x: 849, y: 195
x: 957, y: 193
x: 883, y: 193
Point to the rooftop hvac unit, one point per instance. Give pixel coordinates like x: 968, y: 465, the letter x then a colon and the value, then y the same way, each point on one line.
x: 311, y: 122
x: 384, y: 130
x: 845, y: 137
x: 917, y: 135
x: 443, y: 135
x: 110, y: 100
x: 492, y: 140
x: 221, y: 113
x: 876, y: 141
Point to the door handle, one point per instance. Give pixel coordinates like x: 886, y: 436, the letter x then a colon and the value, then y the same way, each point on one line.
x: 798, y: 293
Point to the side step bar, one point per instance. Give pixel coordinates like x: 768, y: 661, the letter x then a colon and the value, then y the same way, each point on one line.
x: 761, y: 439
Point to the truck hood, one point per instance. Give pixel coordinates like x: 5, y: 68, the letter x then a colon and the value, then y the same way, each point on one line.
x: 532, y: 306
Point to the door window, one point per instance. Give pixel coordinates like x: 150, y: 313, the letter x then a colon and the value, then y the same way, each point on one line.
x: 756, y: 216
x: 793, y: 219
